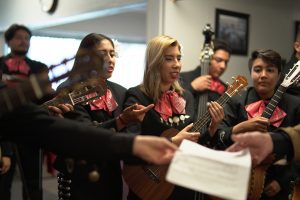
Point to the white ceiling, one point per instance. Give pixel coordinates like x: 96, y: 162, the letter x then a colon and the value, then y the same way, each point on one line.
x: 126, y: 25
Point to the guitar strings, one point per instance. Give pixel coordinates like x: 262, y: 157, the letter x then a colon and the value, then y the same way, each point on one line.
x: 206, y: 117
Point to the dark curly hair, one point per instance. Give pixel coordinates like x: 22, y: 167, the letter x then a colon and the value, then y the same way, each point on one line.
x: 267, y: 55
x: 11, y: 31
x: 221, y: 45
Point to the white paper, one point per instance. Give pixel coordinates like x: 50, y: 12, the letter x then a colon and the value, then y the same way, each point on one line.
x: 218, y: 173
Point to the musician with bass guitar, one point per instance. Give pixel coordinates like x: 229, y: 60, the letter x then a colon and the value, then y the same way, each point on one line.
x: 198, y: 84
x: 174, y: 108
x: 206, y: 82
x: 263, y: 107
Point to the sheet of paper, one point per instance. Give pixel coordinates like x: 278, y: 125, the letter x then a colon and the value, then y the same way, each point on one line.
x: 218, y: 173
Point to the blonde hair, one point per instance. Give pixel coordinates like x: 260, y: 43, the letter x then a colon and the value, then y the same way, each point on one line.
x: 154, y: 60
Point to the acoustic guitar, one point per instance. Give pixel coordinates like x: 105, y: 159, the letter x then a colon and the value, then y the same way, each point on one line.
x: 295, y: 194
x: 83, y: 93
x: 39, y: 85
x: 148, y: 181
x: 258, y: 174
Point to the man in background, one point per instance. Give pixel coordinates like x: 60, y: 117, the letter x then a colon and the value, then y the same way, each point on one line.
x: 210, y: 84
x: 16, y: 66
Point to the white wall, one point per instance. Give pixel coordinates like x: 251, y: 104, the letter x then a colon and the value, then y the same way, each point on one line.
x: 271, y: 25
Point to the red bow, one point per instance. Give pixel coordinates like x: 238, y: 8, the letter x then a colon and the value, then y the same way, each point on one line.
x: 217, y: 86
x: 257, y: 108
x: 105, y: 102
x: 50, y: 160
x: 169, y: 103
x: 17, y: 65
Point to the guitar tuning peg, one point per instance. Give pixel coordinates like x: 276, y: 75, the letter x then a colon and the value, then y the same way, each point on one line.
x: 233, y: 78
x: 227, y: 83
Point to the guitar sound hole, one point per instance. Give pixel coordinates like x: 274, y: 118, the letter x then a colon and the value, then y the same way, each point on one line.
x: 151, y: 174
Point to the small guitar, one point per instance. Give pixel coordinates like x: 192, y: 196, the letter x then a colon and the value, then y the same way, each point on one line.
x: 148, y: 181
x: 39, y: 85
x: 295, y: 194
x: 84, y: 94
x: 257, y: 180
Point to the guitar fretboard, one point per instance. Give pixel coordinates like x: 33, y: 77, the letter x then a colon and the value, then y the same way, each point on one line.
x: 274, y: 102
x: 205, y: 119
x: 54, y: 102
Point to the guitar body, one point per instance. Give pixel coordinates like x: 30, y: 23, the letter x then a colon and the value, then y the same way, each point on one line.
x: 141, y: 183
x: 296, y: 193
x: 257, y: 178
x: 296, y: 189
x: 256, y: 183
x: 258, y: 174
x: 148, y: 181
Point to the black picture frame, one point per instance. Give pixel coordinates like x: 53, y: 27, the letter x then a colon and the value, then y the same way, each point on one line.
x: 233, y: 28
x: 297, y: 29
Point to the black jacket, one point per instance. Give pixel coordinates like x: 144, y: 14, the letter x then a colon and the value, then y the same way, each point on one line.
x: 109, y: 186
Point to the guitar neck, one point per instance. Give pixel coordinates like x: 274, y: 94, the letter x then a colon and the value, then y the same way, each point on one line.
x: 56, y: 101
x: 205, y: 119
x: 81, y: 95
x: 274, y: 102
x: 203, y: 98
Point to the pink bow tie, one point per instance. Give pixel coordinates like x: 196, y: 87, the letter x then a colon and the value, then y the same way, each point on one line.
x: 105, y: 102
x: 217, y: 86
x: 169, y: 103
x: 257, y: 108
x: 17, y: 65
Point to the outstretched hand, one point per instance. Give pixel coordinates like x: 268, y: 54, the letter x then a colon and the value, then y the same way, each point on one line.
x: 184, y: 134
x: 260, y: 145
x: 157, y: 150
x: 135, y: 113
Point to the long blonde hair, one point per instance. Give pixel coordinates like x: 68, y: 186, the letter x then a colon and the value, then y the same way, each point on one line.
x: 154, y: 60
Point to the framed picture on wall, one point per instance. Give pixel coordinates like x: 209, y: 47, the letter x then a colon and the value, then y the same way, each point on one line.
x: 297, y: 28
x: 233, y: 27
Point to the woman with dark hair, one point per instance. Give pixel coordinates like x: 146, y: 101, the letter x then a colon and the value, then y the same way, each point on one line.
x: 92, y: 179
